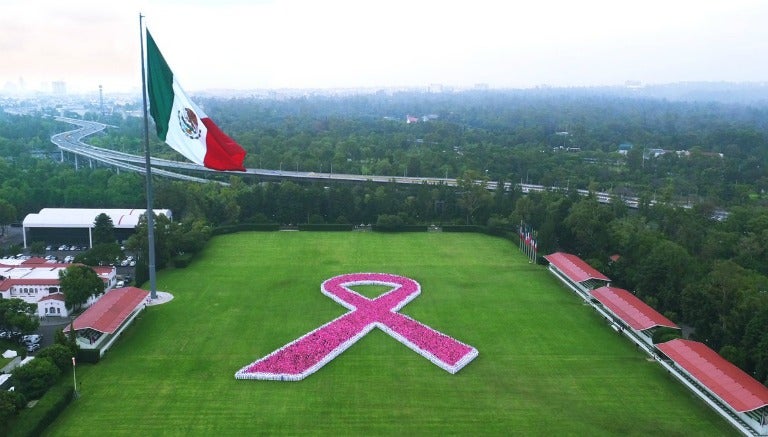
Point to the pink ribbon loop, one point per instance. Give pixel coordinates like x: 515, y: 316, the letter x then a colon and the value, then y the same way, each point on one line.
x: 305, y: 355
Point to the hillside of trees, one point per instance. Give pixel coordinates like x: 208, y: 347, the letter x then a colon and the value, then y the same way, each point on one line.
x: 708, y: 274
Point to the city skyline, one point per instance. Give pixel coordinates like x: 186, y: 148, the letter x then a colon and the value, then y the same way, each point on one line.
x: 238, y: 44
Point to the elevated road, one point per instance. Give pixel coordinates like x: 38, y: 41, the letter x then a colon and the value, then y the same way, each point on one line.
x: 72, y: 142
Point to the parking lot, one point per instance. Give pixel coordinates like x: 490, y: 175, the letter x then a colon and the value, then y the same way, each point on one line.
x: 67, y: 253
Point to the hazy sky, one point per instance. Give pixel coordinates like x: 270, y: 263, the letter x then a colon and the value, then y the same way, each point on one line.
x: 334, y: 43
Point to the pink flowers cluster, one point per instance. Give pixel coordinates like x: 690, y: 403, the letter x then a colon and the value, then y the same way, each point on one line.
x: 307, y: 354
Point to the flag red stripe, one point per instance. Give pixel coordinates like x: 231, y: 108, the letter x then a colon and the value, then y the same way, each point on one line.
x: 222, y: 152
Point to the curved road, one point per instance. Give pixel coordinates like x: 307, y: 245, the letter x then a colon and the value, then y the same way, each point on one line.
x: 71, y: 141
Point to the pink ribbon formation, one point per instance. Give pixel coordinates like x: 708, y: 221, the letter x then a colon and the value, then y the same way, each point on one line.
x: 305, y: 355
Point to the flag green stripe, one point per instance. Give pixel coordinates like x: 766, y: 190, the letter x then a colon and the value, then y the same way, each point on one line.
x: 159, y: 87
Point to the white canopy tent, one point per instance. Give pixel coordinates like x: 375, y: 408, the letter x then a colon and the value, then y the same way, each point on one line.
x: 76, y: 218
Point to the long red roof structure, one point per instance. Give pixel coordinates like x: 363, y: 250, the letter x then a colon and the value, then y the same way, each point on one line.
x: 574, y: 267
x: 733, y: 385
x: 109, y: 312
x: 630, y: 309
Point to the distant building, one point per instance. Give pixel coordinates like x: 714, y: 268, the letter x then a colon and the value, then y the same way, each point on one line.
x: 624, y: 148
x: 410, y: 119
x: 687, y: 153
x: 655, y: 153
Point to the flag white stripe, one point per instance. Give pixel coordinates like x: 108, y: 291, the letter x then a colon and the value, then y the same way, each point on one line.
x: 193, y: 149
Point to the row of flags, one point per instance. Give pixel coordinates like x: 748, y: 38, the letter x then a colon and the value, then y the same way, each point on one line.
x: 529, y: 244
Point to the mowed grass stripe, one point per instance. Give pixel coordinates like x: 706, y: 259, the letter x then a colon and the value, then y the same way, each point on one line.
x: 547, y: 363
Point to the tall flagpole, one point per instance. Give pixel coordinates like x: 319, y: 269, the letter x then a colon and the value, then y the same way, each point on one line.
x: 150, y: 215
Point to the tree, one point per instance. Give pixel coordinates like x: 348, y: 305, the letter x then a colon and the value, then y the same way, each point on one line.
x: 59, y: 354
x: 103, y: 230
x: 7, y: 215
x: 587, y: 220
x: 11, y: 402
x: 37, y: 248
x: 69, y: 341
x: 17, y: 315
x: 721, y: 304
x: 635, y: 159
x: 474, y: 194
x: 389, y: 222
x: 79, y: 282
x: 191, y: 236
x: 35, y: 377
x: 663, y: 274
x: 164, y: 241
x: 100, y: 254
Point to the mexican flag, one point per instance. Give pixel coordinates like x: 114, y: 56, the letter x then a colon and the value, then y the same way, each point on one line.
x: 181, y: 124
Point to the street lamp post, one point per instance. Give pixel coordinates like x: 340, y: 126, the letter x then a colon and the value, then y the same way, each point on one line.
x: 74, y: 377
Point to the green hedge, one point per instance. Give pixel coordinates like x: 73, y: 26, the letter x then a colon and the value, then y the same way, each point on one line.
x: 181, y: 261
x: 242, y: 227
x: 463, y: 228
x: 401, y: 228
x: 326, y: 227
x: 88, y: 355
x: 33, y: 421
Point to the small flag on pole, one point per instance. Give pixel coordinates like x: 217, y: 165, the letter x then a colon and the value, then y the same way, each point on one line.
x: 182, y: 124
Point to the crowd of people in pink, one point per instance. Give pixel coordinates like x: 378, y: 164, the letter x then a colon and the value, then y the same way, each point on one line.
x: 307, y: 354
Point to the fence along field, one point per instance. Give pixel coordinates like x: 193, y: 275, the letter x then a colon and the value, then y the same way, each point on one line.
x: 546, y: 364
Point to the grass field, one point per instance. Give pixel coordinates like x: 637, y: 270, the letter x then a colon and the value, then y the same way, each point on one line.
x: 548, y: 365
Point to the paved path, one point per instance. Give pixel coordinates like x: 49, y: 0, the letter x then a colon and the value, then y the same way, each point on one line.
x: 162, y: 297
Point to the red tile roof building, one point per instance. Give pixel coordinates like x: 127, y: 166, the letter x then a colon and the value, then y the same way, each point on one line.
x: 575, y: 273
x: 744, y: 399
x: 574, y: 267
x: 33, y: 279
x: 629, y: 314
x: 630, y: 309
x: 731, y: 384
x: 111, y: 310
x: 102, y: 323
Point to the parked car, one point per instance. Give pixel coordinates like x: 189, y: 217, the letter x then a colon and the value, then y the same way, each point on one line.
x: 31, y: 339
x: 33, y: 347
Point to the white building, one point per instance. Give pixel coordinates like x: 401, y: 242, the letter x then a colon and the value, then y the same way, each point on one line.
x: 36, y: 280
x: 75, y: 225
